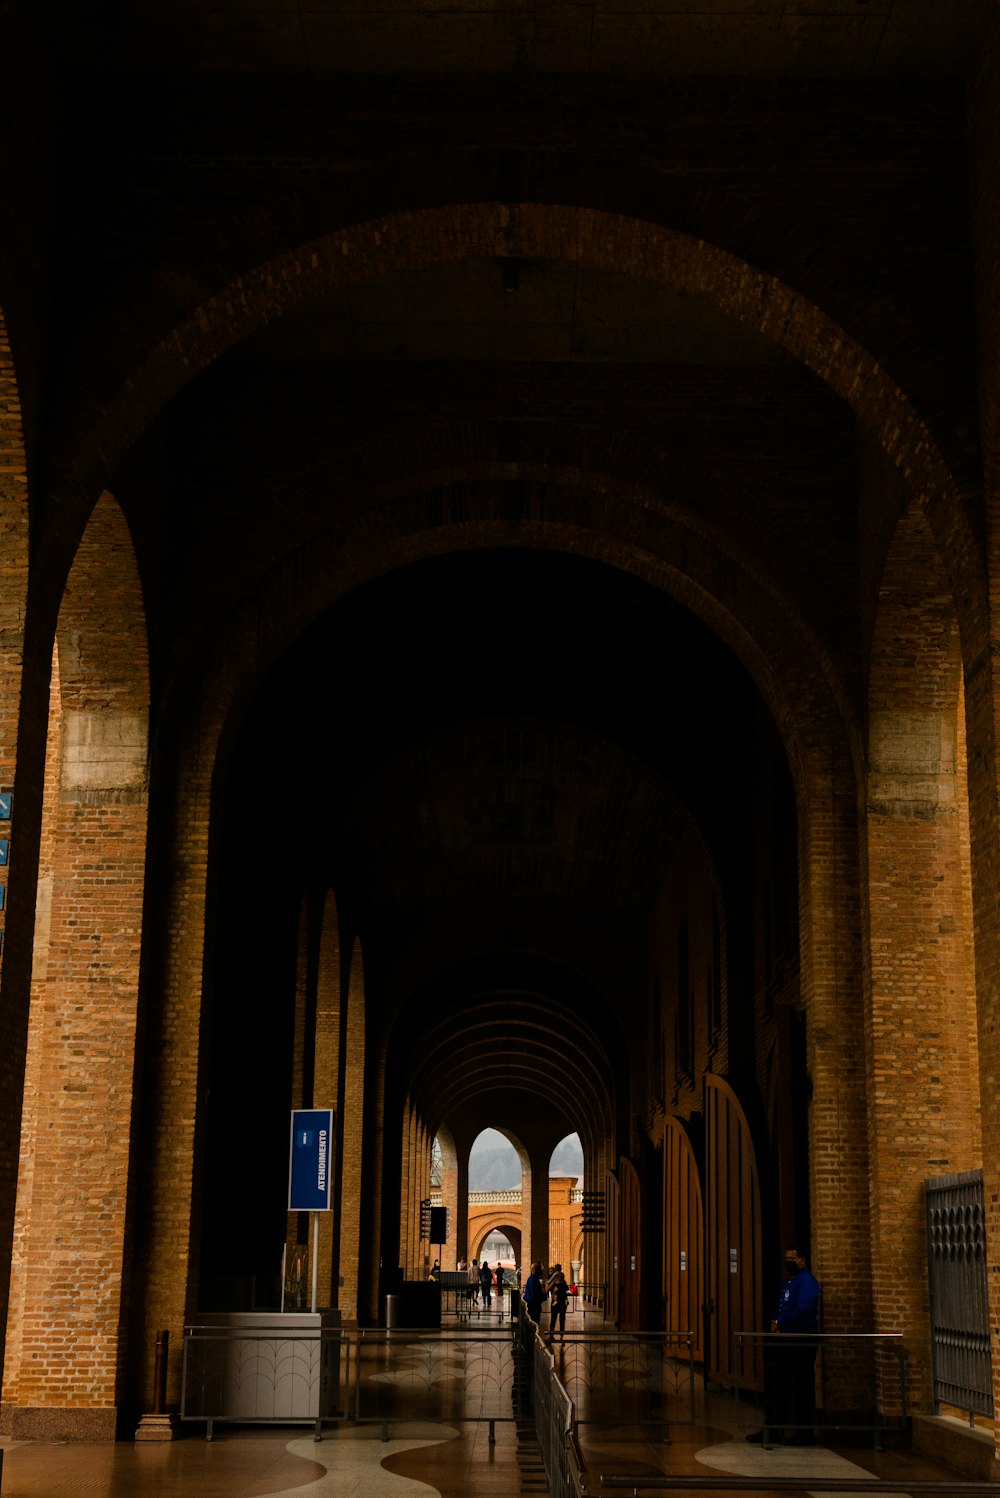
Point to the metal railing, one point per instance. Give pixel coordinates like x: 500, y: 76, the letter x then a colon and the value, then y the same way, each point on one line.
x: 311, y: 1376
x: 552, y: 1409
x: 868, y: 1485
x: 271, y: 1377
x: 859, y: 1383
x: 643, y: 1381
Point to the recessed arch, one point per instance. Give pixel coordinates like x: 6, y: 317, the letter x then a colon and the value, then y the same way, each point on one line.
x: 582, y: 235
x: 823, y: 749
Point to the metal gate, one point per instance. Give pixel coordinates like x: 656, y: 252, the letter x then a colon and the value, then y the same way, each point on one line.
x: 956, y: 1260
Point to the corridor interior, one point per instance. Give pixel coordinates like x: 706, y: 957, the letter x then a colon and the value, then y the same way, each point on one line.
x: 445, y: 1411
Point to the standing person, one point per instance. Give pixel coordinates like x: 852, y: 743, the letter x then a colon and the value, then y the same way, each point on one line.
x: 486, y: 1283
x: 499, y: 1276
x: 559, y: 1290
x: 790, y: 1371
x: 474, y: 1281
x: 534, y: 1293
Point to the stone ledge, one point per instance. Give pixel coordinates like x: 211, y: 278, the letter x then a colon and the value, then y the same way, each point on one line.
x: 955, y: 1444
x: 62, y: 1424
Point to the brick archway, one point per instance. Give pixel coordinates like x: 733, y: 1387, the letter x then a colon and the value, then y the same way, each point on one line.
x: 801, y: 690
x: 588, y: 236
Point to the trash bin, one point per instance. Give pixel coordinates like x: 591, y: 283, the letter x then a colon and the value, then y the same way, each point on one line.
x: 393, y: 1312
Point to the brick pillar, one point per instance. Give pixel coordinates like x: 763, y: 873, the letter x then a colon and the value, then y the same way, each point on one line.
x: 462, y: 1200
x: 351, y: 1091
x: 36, y: 1031
x: 923, y: 1097
x: 326, y: 1053
x: 405, y: 1216
x: 535, y: 1207
x: 449, y: 1200
x: 73, y: 1208
x: 830, y: 943
x: 982, y: 655
x: 373, y: 1146
x: 15, y: 958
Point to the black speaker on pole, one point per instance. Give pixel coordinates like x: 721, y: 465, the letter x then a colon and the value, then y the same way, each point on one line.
x: 439, y: 1225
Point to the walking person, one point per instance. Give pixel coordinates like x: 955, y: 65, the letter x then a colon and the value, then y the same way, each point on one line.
x: 559, y: 1291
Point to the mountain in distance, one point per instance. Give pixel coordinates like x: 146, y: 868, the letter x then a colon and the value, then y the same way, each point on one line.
x: 494, y: 1166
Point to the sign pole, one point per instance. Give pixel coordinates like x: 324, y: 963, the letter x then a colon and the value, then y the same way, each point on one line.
x: 309, y: 1173
x: 315, y: 1273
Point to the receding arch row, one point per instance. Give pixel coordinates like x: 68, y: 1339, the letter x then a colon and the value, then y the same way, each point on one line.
x: 195, y: 752
x: 553, y: 1073
x: 455, y: 1064
x: 562, y: 468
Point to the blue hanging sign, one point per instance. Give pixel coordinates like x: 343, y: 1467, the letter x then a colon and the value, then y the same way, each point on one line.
x: 310, y: 1167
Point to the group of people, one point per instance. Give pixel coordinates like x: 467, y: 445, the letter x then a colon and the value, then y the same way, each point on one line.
x: 482, y: 1281
x: 556, y: 1289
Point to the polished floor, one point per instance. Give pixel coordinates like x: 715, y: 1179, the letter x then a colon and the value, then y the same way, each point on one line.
x: 465, y: 1380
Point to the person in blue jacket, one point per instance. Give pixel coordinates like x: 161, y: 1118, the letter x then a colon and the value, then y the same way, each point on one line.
x: 534, y: 1293
x: 790, y: 1369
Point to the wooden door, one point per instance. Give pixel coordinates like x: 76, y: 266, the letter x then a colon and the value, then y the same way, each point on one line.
x: 683, y: 1238
x: 732, y: 1242
x: 630, y: 1239
x: 613, y: 1221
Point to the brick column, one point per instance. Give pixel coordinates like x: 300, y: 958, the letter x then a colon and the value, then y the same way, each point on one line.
x: 21, y: 742
x: 982, y: 654
x: 72, y: 1210
x: 351, y: 1092
x: 325, y: 1077
x: 923, y: 1099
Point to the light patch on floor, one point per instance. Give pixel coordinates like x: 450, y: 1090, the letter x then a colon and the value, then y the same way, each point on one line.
x: 741, y: 1459
x: 353, y: 1460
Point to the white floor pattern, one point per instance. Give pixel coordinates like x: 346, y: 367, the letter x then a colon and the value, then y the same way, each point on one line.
x: 353, y: 1459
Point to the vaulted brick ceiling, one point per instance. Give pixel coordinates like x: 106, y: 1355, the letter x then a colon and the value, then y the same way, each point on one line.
x: 790, y: 38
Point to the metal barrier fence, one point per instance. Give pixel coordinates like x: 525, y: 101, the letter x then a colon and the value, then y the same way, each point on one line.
x: 860, y: 1384
x: 619, y: 1379
x: 260, y: 1377
x: 867, y: 1486
x: 552, y: 1409
x: 450, y: 1377
x: 645, y: 1379
x: 313, y: 1375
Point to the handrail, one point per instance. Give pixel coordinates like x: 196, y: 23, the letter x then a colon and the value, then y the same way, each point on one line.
x: 721, y: 1483
x: 815, y: 1485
